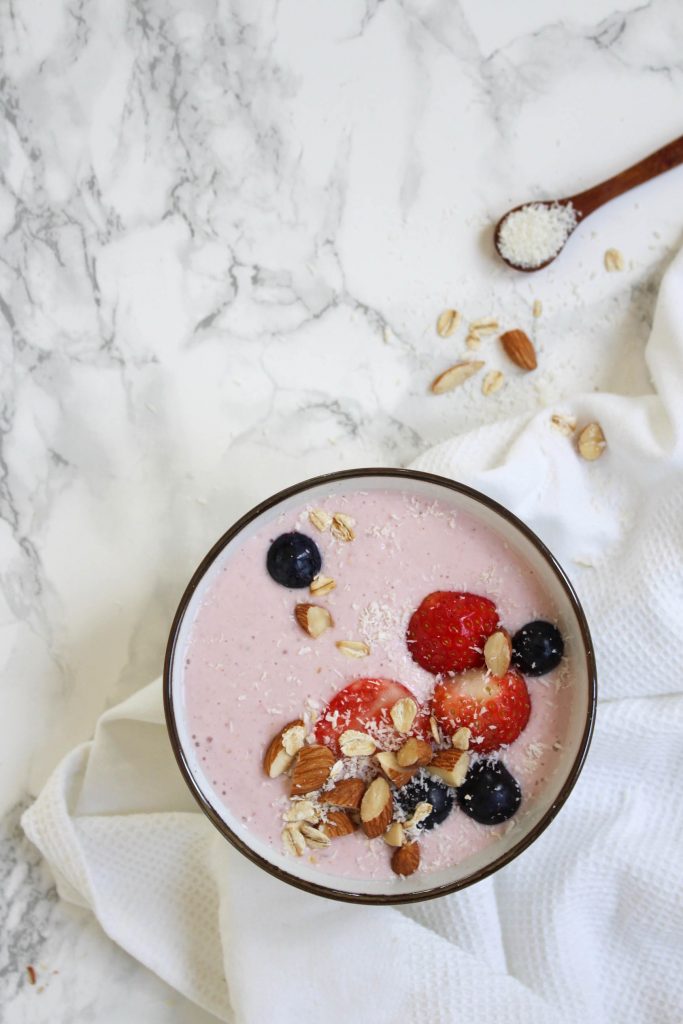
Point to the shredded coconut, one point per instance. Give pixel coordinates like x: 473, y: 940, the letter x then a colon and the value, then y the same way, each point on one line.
x: 533, y: 235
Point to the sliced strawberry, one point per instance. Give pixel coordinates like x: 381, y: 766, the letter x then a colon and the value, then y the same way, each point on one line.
x: 365, y: 705
x: 495, y: 710
x: 448, y: 631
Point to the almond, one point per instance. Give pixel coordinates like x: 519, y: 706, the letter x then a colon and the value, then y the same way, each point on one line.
x: 311, y: 769
x: 342, y: 527
x: 450, y: 766
x: 356, y: 744
x: 392, y: 769
x: 322, y: 585
x: 406, y: 859
x: 519, y: 348
x: 414, y: 752
x: 320, y: 519
x: 448, y: 323
x: 498, y: 653
x: 461, y: 738
x: 422, y: 811
x: 348, y: 793
x: 436, y: 731
x: 376, y: 808
x: 314, y: 837
x: 592, y: 442
x: 313, y: 619
x: 337, y: 824
x: 403, y: 714
x: 395, y: 834
x: 293, y: 842
x: 455, y: 375
x: 353, y: 648
x: 276, y: 760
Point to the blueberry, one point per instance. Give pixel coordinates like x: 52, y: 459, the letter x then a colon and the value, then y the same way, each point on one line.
x: 423, y: 789
x: 489, y: 793
x: 537, y: 648
x: 293, y: 560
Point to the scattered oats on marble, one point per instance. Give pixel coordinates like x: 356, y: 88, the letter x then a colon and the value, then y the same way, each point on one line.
x: 564, y: 424
x: 591, y: 442
x: 537, y: 308
x: 493, y: 381
x: 448, y: 323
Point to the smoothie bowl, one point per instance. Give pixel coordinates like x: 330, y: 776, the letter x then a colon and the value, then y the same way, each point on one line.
x: 380, y: 686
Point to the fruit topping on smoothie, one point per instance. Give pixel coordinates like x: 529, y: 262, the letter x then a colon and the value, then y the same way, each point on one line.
x: 376, y: 759
x: 293, y: 560
x: 489, y: 794
x: 370, y: 706
x: 537, y: 648
x: 448, y: 631
x: 494, y: 709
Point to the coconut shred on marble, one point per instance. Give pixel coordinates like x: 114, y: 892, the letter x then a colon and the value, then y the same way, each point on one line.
x: 534, y: 234
x: 246, y: 673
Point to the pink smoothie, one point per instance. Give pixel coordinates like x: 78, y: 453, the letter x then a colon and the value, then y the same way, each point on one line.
x: 248, y: 668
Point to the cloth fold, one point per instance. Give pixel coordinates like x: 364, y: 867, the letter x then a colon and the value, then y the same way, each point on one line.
x: 586, y: 925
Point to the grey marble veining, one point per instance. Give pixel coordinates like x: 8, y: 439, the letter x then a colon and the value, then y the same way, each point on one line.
x: 227, y: 230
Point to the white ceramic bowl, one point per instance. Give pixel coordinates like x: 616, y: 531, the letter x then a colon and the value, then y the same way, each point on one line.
x: 540, y: 810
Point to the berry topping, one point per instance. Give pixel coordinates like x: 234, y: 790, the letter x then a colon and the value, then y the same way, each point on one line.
x: 293, y: 560
x: 494, y: 710
x: 422, y: 789
x: 489, y: 794
x: 448, y: 631
x: 365, y: 705
x: 537, y: 648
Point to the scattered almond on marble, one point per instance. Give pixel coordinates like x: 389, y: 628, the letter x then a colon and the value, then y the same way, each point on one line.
x: 392, y: 769
x: 376, y: 808
x: 614, y: 261
x: 276, y: 760
x: 498, y: 653
x: 353, y: 648
x: 448, y: 323
x: 354, y: 743
x: 313, y: 619
x: 455, y: 376
x: 342, y: 527
x: 493, y: 381
x: 406, y: 859
x: 519, y: 348
x: 591, y: 442
x: 450, y: 766
x: 403, y: 714
x: 320, y: 519
x: 321, y: 585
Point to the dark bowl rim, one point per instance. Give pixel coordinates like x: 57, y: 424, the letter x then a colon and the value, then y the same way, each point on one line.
x: 329, y: 892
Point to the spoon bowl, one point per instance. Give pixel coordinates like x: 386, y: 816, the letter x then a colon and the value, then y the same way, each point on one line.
x: 582, y: 205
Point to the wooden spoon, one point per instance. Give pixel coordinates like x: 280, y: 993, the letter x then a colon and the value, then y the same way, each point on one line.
x: 585, y: 203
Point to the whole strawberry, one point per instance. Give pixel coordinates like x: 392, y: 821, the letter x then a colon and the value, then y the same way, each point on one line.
x: 448, y: 631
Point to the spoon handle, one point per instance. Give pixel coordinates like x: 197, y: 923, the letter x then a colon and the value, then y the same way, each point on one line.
x: 656, y: 163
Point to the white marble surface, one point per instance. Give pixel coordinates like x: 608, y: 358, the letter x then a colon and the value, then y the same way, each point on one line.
x: 227, y: 231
